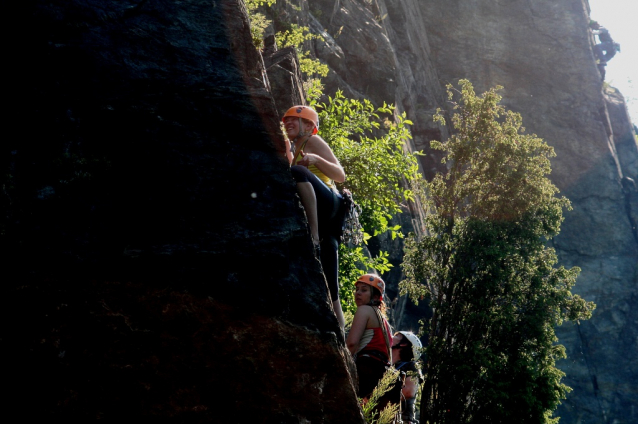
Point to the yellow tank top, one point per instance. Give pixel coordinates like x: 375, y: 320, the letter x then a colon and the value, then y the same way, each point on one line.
x: 320, y: 175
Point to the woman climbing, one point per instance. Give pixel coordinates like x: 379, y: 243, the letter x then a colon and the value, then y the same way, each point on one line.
x: 406, y: 350
x: 369, y: 336
x: 315, y: 169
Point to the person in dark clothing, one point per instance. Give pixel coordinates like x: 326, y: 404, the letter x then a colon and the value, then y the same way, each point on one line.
x: 606, y: 47
x: 605, y: 51
x: 406, y: 350
x: 603, y: 35
x: 602, y: 70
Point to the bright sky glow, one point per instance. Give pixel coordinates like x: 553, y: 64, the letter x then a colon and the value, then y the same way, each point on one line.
x: 620, y: 18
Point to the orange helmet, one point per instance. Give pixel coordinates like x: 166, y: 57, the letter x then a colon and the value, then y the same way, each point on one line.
x: 374, y: 281
x: 304, y: 112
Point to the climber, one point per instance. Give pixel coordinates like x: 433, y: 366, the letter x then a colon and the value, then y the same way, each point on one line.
x: 406, y: 350
x: 606, y: 47
x: 606, y: 50
x: 315, y: 169
x: 369, y: 339
x: 602, y: 33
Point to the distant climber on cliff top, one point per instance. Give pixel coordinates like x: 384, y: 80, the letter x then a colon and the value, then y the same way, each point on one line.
x: 605, y: 51
x: 606, y: 48
x: 601, y: 32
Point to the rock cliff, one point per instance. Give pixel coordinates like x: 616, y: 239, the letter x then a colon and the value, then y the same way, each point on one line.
x: 160, y: 264
x: 540, y: 51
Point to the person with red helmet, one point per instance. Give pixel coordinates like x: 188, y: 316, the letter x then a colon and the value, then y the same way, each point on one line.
x: 315, y: 169
x: 369, y: 339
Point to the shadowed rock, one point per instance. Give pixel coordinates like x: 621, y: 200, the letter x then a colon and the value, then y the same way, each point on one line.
x: 161, y: 265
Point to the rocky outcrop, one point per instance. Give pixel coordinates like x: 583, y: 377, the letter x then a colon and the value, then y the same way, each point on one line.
x: 285, y: 79
x: 624, y: 133
x: 160, y: 266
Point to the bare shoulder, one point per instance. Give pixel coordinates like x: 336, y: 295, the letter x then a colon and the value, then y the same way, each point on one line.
x: 318, y: 139
x: 363, y: 311
x: 368, y: 313
x: 317, y: 142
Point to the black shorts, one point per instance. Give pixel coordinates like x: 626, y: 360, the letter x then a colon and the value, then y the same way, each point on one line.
x: 330, y: 214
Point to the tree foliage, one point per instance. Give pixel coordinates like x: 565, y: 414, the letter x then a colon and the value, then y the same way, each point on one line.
x: 490, y: 279
x: 370, y: 144
x: 376, y: 166
x: 258, y: 21
x: 369, y: 407
x: 312, y: 69
x: 294, y: 36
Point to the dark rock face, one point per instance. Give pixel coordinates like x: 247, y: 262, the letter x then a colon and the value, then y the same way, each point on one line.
x: 380, y: 51
x: 284, y: 76
x: 160, y: 263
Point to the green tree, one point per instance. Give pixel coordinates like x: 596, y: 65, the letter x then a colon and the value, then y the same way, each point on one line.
x: 370, y: 144
x: 490, y: 278
x: 294, y: 36
x: 258, y: 21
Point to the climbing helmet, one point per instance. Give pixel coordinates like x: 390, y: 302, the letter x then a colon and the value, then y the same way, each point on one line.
x: 304, y: 112
x: 416, y: 343
x: 374, y: 281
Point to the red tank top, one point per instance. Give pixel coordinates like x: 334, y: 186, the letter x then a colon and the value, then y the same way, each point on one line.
x: 378, y: 341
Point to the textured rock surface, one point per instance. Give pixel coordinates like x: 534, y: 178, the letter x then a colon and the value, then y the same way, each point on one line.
x: 380, y: 51
x: 160, y: 264
x: 284, y: 76
x: 158, y: 252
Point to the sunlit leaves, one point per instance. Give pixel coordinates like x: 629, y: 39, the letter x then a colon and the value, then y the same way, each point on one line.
x: 490, y: 278
x: 370, y: 144
x: 258, y: 21
x: 371, y: 149
x: 368, y: 407
x: 496, y: 170
x: 313, y: 69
